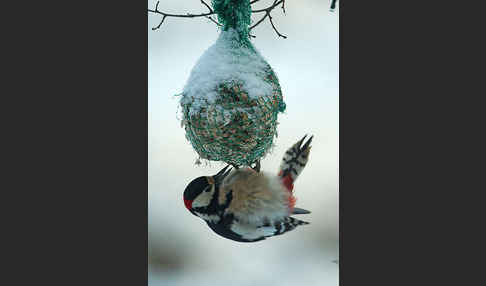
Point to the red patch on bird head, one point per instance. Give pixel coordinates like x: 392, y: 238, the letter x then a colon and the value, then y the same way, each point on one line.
x: 188, y: 204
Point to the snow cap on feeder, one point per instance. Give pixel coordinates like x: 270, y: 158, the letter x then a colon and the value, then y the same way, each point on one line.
x: 232, y: 98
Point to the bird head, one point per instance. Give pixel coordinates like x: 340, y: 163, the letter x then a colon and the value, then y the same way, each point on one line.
x: 200, y: 192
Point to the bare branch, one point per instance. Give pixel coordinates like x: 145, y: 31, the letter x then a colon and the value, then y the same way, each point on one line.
x: 271, y: 22
x: 268, y: 9
x: 209, y: 7
x: 188, y: 15
x: 210, y: 12
x: 214, y: 21
x: 259, y: 21
x: 158, y: 26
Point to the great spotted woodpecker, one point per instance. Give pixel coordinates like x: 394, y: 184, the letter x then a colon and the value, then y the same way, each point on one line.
x: 247, y: 205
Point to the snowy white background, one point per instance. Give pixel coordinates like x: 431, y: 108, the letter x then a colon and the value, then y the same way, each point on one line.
x: 182, y: 249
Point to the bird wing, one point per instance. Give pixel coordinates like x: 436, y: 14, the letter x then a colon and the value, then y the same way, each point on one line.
x: 233, y: 229
x: 236, y: 230
x: 252, y: 233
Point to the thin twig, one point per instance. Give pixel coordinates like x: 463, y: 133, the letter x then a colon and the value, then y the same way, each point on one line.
x: 188, y: 15
x: 267, y: 11
x: 271, y: 22
x: 209, y: 7
x: 158, y: 26
x: 214, y: 21
x: 210, y: 11
x: 259, y: 21
x: 275, y: 4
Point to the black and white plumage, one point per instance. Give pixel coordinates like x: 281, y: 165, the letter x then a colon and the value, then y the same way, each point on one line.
x: 247, y: 206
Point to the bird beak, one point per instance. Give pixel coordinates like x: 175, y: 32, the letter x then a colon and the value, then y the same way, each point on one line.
x: 219, y: 177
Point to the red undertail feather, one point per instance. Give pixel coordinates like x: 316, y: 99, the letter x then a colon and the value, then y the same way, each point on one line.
x: 292, y: 201
x: 289, y: 184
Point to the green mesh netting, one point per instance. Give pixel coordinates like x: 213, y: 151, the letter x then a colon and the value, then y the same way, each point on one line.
x: 235, y: 128
x: 249, y: 133
x: 234, y: 14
